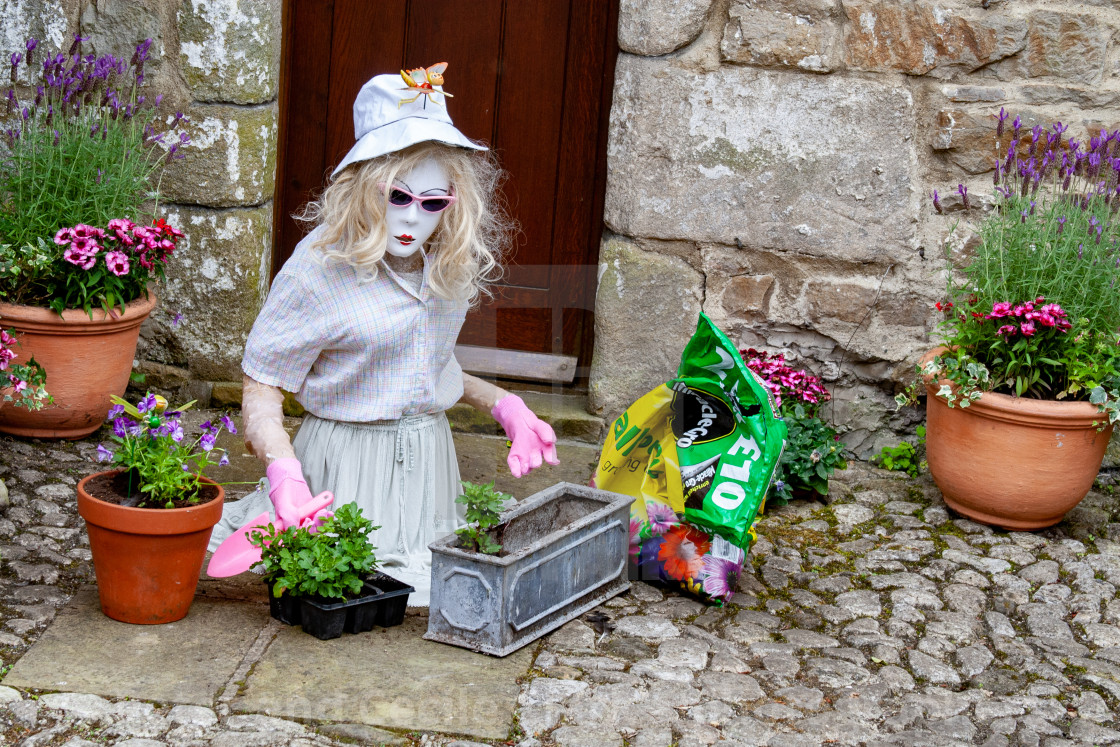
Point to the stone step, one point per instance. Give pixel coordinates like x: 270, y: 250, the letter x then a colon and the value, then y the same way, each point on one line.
x: 566, y: 413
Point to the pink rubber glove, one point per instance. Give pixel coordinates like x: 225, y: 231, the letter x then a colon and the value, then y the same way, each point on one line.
x: 533, y: 439
x: 289, y: 494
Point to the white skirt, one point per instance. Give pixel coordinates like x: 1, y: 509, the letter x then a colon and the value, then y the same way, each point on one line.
x: 403, y: 474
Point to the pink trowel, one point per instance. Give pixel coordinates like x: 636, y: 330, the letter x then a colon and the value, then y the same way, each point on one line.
x: 237, y: 555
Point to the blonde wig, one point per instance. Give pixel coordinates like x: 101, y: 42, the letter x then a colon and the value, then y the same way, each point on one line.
x: 464, y: 253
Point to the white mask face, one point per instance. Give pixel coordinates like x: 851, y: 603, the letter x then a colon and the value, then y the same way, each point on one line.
x: 410, y: 226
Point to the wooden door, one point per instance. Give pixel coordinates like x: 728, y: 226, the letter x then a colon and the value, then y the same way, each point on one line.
x: 532, y: 80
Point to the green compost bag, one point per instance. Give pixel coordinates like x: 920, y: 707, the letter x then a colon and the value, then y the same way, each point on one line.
x: 698, y: 453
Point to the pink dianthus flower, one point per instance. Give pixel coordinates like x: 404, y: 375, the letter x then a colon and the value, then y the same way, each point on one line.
x: 81, y: 259
x: 117, y: 262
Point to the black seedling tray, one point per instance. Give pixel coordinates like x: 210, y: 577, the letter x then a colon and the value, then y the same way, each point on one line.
x: 382, y: 602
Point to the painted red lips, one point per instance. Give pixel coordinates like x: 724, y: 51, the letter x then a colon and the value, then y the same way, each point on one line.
x: 405, y: 238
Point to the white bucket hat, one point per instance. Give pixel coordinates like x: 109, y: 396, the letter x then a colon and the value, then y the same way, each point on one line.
x: 390, y: 115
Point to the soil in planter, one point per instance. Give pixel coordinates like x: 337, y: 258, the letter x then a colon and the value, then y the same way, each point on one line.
x: 114, y: 488
x: 554, y: 516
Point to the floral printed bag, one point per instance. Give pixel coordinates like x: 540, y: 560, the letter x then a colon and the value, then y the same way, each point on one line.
x: 699, y: 453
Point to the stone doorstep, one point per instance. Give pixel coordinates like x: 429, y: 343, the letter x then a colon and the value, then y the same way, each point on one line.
x: 566, y: 413
x: 229, y: 650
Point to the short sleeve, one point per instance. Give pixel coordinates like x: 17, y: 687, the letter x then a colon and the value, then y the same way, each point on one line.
x: 287, y: 336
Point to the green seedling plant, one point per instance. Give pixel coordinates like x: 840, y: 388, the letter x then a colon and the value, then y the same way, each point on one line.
x: 484, y: 507
x: 906, y: 457
x: 811, y: 455
x: 330, y: 562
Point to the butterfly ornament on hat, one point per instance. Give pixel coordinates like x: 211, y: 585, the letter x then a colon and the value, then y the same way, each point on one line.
x: 412, y: 189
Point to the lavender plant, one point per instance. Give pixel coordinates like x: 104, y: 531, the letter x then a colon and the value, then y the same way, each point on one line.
x: 1036, y: 312
x: 84, y: 145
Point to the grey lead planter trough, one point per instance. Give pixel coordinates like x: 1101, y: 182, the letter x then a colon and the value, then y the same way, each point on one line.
x: 563, y: 552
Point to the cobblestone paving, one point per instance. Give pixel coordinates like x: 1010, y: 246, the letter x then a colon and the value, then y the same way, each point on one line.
x: 878, y: 619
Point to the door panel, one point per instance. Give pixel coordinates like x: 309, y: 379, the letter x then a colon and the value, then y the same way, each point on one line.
x: 532, y: 80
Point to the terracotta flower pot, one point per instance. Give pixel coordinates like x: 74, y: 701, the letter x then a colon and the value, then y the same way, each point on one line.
x: 1012, y: 462
x: 87, y: 361
x: 147, y: 560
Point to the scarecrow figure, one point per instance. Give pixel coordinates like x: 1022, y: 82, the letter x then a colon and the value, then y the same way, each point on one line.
x: 361, y: 323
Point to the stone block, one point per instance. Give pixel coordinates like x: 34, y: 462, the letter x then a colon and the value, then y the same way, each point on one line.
x: 229, y: 50
x: 216, y: 284
x: 159, y: 376
x: 225, y: 394
x: 805, y: 39
x: 230, y: 159
x: 657, y: 27
x: 967, y: 136
x: 967, y: 139
x: 1061, y: 45
x: 928, y: 38
x: 116, y: 26
x: 473, y: 695
x: 646, y: 309
x: 187, y: 662
x: 765, y: 156
x: 52, y: 22
x: 849, y: 302
x: 747, y: 294
x: 1043, y: 94
x: 291, y: 407
x: 974, y: 94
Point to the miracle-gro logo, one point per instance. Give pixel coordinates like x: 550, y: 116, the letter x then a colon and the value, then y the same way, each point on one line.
x: 698, y: 416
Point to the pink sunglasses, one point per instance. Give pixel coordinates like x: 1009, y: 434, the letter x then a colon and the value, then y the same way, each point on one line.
x: 428, y: 203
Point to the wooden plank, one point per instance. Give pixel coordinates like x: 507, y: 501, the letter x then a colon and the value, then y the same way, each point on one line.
x: 581, y: 179
x: 305, y: 80
x: 530, y: 103
x: 583, y: 336
x: 467, y: 36
x: 516, y: 364
x: 368, y: 40
x: 517, y: 318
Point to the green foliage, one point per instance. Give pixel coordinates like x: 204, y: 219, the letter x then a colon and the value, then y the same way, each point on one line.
x: 26, y: 382
x: 330, y: 562
x: 83, y: 146
x: 154, y: 451
x: 1035, y: 310
x: 906, y: 457
x: 811, y: 455
x: 1021, y: 257
x: 484, y: 506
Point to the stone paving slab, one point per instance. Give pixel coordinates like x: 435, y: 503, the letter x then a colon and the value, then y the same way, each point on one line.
x: 187, y: 661
x: 389, y: 677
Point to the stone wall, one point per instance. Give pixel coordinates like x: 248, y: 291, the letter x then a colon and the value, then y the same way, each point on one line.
x: 770, y: 161
x: 218, y: 62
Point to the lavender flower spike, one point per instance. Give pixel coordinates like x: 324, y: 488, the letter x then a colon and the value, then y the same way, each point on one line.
x: 963, y: 191
x: 937, y: 203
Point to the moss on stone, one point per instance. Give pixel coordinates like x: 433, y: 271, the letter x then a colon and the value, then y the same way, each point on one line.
x: 722, y: 152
